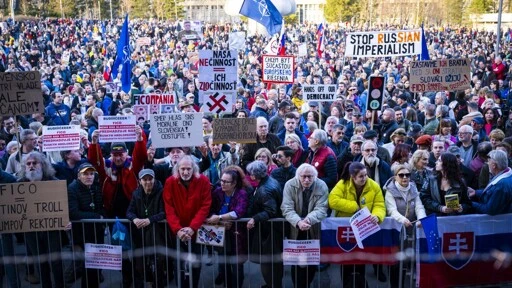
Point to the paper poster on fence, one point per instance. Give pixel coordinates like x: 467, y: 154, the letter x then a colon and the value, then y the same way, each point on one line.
x: 319, y: 93
x: 440, y: 75
x: 20, y: 93
x: 211, y: 235
x: 301, y: 252
x: 363, y: 226
x: 278, y: 69
x: 60, y: 138
x: 34, y: 206
x: 103, y: 256
x: 177, y: 130
x: 383, y: 43
x: 117, y: 128
x: 218, y: 72
x: 240, y: 130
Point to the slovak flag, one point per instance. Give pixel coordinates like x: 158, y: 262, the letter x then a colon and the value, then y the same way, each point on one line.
x: 463, y: 257
x: 106, y: 73
x: 320, y: 37
x: 282, y: 44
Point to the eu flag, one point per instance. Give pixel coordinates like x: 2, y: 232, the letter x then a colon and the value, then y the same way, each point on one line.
x: 424, y: 50
x: 123, y: 58
x: 429, y: 224
x: 263, y: 12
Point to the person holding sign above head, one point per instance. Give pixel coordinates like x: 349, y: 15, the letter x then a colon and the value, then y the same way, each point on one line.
x: 43, y: 244
x: 353, y: 192
x: 304, y: 207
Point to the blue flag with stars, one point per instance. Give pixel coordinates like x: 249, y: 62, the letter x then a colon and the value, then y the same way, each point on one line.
x: 429, y: 224
x: 123, y: 58
x: 265, y: 13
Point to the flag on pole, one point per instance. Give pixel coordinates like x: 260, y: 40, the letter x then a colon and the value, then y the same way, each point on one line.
x: 282, y: 44
x: 320, y: 36
x: 263, y: 12
x: 123, y: 58
x: 424, y: 50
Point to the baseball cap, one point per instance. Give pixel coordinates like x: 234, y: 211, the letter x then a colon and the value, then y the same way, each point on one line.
x: 356, y: 139
x: 313, y: 104
x: 454, y: 149
x: 145, y: 172
x: 398, y: 132
x: 370, y: 134
x: 86, y: 166
x: 414, y: 130
x: 424, y: 140
x: 479, y: 120
x: 118, y: 147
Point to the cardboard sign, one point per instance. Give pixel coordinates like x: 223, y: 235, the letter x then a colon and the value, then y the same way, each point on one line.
x: 143, y: 41
x: 34, y: 206
x: 240, y: 130
x: 301, y: 252
x: 211, y: 235
x: 117, y: 128
x: 218, y: 72
x: 278, y: 69
x: 177, y: 130
x: 103, y: 256
x: 383, y: 43
x: 219, y: 102
x: 440, y: 75
x: 363, y: 226
x: 20, y: 93
x: 154, y: 98
x: 60, y: 138
x: 319, y: 92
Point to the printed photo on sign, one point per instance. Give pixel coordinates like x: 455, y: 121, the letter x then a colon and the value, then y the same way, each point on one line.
x: 177, y: 130
x: 383, y: 43
x: 117, y: 128
x: 141, y: 113
x: 211, y: 235
x: 167, y: 108
x: 61, y: 138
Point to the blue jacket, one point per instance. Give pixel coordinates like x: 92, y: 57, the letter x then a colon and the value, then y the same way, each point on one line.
x: 259, y: 112
x: 282, y: 135
x: 60, y: 114
x: 496, y: 198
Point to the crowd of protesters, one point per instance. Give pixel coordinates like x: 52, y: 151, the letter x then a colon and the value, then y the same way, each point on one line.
x: 310, y: 160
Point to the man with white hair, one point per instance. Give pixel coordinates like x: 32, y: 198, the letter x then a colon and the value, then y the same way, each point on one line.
x: 496, y: 198
x: 377, y: 169
x: 263, y: 140
x: 468, y: 145
x: 498, y: 68
x: 322, y: 158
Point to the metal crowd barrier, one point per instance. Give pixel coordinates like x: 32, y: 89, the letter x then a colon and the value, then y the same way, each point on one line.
x: 159, y: 263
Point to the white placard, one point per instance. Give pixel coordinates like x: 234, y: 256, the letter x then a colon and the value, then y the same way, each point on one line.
x: 103, y: 256
x: 219, y: 102
x: 218, y: 72
x: 383, y: 43
x: 319, y: 92
x: 60, y: 138
x: 176, y: 130
x: 301, y: 252
x: 363, y: 226
x: 278, y: 69
x: 117, y: 128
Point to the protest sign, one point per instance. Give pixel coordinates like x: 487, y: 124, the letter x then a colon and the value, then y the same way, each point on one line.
x: 240, y: 130
x: 20, y: 93
x: 177, y: 130
x: 301, y: 252
x: 141, y: 113
x: 237, y: 40
x: 155, y: 98
x: 112, y: 87
x: 117, y: 128
x: 363, y: 225
x: 278, y: 69
x: 440, y: 75
x: 383, y: 43
x: 219, y: 102
x: 103, y: 256
x: 319, y: 92
x: 60, y: 138
x: 34, y: 206
x: 167, y: 108
x: 211, y: 235
x: 272, y: 47
x: 217, y: 72
x: 143, y: 41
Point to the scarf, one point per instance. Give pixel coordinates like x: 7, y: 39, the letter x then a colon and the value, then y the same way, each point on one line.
x: 404, y: 191
x: 504, y: 174
x: 376, y: 165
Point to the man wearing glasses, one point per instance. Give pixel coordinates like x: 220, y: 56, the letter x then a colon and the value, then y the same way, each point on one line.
x: 286, y: 170
x: 357, y: 119
x: 377, y: 169
x: 336, y: 143
x: 467, y: 144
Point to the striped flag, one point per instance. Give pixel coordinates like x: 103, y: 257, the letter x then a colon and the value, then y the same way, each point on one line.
x: 320, y: 37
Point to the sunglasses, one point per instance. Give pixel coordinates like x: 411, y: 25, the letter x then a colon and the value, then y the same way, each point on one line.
x: 404, y: 175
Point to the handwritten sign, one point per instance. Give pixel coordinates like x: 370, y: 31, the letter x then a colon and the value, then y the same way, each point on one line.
x: 60, y: 138
x: 278, y: 69
x: 440, y: 75
x: 117, y: 128
x: 211, y: 235
x: 177, y: 130
x: 319, y: 92
x: 363, y: 226
x: 20, y: 93
x: 218, y: 72
x: 383, y: 43
x: 143, y: 41
x: 240, y: 130
x: 301, y: 252
x: 103, y: 256
x: 34, y: 206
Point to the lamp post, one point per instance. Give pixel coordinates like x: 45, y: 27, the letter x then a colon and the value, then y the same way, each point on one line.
x: 498, y: 29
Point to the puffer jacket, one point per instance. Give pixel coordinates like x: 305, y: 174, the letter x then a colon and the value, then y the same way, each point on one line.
x: 81, y: 198
x: 403, y: 206
x: 343, y: 199
x: 152, y: 203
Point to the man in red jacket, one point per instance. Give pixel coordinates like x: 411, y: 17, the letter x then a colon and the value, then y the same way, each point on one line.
x: 187, y: 200
x: 498, y: 68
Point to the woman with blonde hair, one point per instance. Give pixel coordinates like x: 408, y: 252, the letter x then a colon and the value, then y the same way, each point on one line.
x: 420, y: 172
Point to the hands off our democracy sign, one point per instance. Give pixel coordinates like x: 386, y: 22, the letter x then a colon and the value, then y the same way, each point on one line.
x: 383, y: 43
x: 278, y: 69
x: 440, y: 75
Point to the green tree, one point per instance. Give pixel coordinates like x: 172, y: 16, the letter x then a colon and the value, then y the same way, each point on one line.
x: 291, y: 19
x: 479, y: 6
x: 341, y: 10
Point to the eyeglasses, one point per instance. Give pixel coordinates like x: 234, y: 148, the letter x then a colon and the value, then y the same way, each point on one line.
x: 349, y: 110
x: 31, y: 163
x: 306, y: 176
x: 225, y: 182
x: 404, y: 175
x: 370, y: 150
x: 340, y: 133
x: 277, y: 156
x: 352, y: 89
x: 463, y: 133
